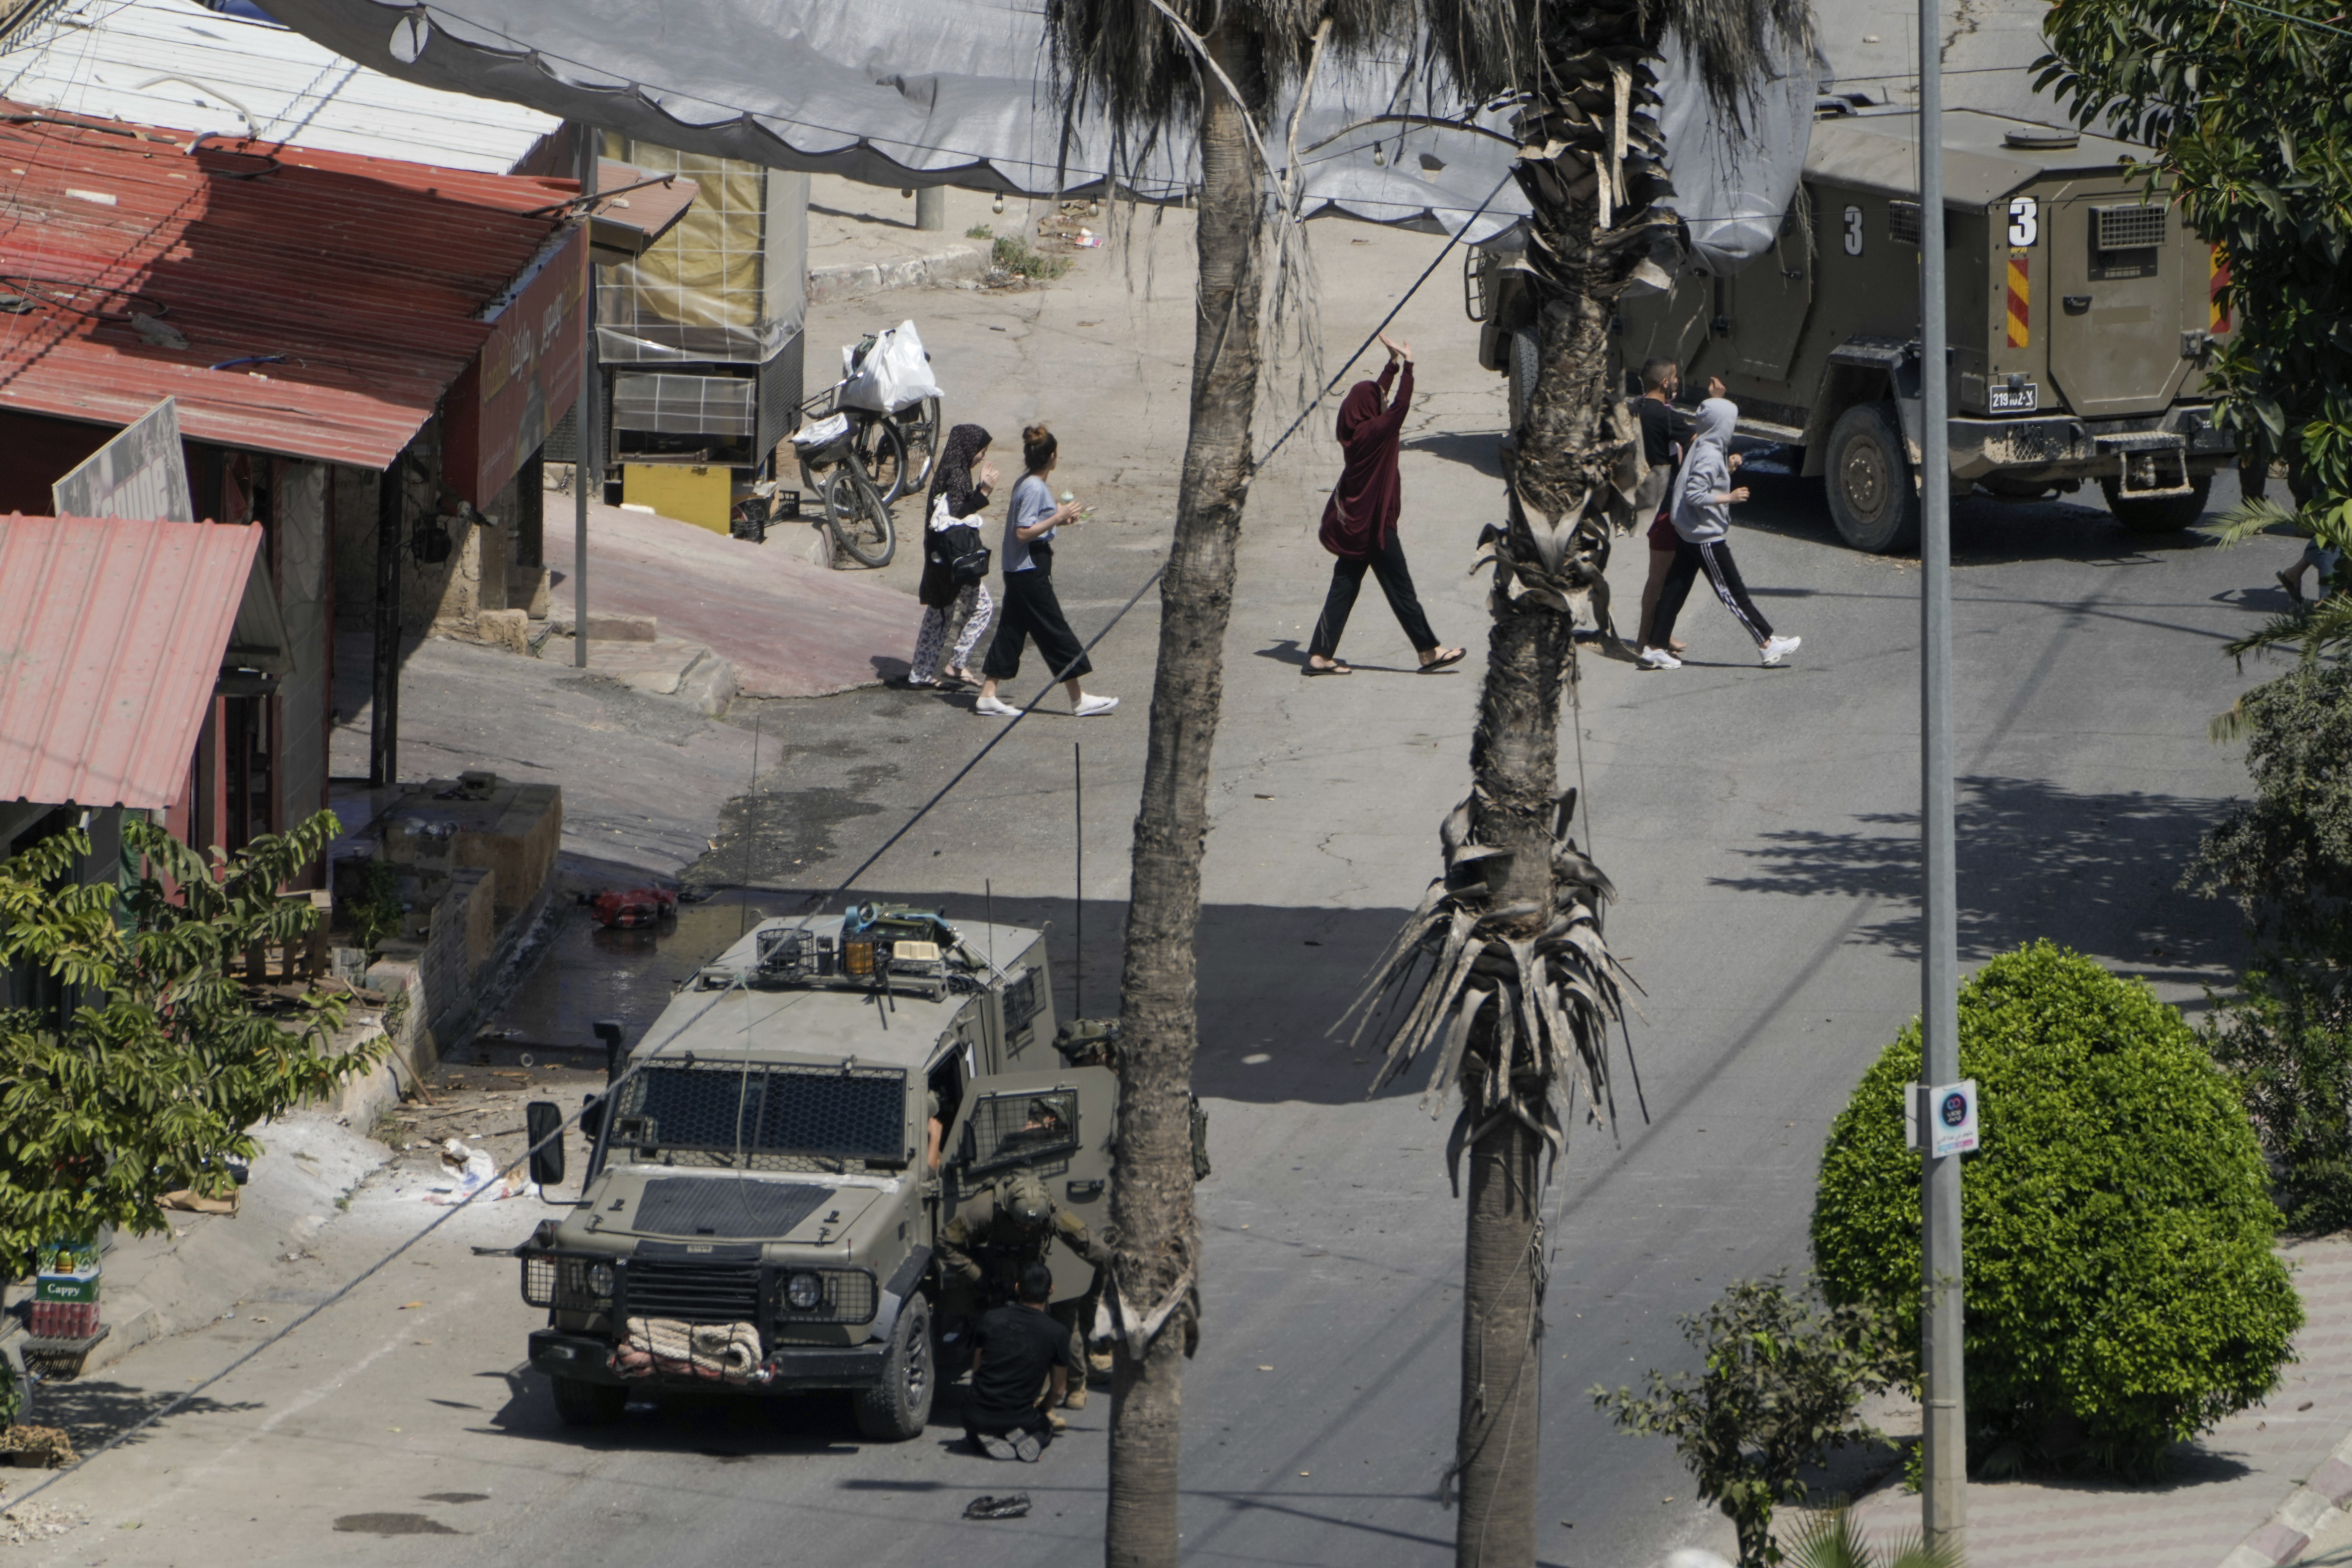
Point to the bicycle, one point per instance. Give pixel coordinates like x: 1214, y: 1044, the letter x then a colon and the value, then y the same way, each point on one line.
x: 899, y: 450
x: 855, y: 510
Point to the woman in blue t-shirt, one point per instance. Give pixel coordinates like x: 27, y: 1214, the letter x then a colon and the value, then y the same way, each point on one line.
x: 1030, y: 610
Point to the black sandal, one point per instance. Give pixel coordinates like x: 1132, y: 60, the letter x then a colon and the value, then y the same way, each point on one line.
x: 1336, y: 667
x: 1442, y: 659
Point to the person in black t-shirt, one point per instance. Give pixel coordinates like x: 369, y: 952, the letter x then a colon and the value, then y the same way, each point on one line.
x: 1020, y: 1372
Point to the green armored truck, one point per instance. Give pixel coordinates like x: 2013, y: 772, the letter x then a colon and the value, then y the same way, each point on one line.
x: 760, y: 1210
x: 2081, y: 315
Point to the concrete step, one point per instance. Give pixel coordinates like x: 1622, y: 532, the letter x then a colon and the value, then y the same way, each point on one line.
x: 666, y: 666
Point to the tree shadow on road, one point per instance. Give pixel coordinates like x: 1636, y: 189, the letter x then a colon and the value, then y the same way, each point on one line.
x: 94, y: 1411
x: 2098, y: 872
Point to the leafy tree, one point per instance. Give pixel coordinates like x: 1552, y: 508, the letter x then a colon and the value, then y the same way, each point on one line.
x: 2251, y: 130
x: 164, y: 1061
x: 1784, y: 1380
x: 2287, y: 1042
x: 2119, y: 1281
x: 2284, y: 858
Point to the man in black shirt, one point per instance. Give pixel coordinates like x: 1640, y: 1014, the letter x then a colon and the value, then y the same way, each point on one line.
x: 1020, y: 1371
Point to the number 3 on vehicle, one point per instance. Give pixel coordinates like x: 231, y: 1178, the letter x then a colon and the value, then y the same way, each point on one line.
x: 2025, y: 221
x: 1853, y: 231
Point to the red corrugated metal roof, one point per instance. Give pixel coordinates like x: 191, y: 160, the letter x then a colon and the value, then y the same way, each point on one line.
x: 111, y: 634
x: 366, y: 274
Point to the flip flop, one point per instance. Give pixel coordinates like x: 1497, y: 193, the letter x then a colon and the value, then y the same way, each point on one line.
x: 1334, y: 667
x: 1442, y: 659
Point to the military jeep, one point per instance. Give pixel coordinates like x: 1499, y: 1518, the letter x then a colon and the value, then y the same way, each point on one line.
x: 2082, y: 314
x: 758, y: 1217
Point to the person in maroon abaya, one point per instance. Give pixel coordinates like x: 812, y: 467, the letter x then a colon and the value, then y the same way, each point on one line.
x: 1359, y: 521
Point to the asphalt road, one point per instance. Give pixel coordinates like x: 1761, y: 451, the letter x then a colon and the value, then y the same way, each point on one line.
x: 1759, y: 824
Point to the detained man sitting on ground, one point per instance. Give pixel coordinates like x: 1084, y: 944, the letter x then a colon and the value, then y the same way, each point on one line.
x: 1020, y: 1373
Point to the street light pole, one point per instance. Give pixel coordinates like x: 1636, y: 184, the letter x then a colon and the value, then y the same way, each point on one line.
x: 1945, y: 1465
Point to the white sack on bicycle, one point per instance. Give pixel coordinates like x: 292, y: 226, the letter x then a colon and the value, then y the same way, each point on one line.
x: 895, y: 373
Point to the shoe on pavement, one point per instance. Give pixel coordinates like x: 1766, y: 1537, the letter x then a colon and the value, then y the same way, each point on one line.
x: 996, y: 1447
x: 1076, y: 1399
x: 1089, y: 706
x: 1027, y: 1448
x: 1659, y: 658
x: 995, y: 708
x: 1053, y: 1419
x: 2293, y: 582
x: 1777, y: 648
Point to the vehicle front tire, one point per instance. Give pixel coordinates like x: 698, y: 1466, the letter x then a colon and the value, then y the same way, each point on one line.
x: 2158, y: 514
x: 1871, y: 498
x: 900, y: 1406
x: 583, y: 1403
x: 1523, y: 364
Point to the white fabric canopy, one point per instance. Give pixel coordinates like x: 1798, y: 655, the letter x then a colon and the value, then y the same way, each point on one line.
x: 903, y: 92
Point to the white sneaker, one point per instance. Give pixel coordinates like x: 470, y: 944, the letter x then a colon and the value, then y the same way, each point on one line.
x: 1776, y: 648
x: 1659, y: 658
x: 1089, y: 706
x: 994, y: 707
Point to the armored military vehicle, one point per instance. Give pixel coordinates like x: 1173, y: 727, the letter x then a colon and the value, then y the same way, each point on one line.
x: 760, y: 1211
x: 2081, y: 315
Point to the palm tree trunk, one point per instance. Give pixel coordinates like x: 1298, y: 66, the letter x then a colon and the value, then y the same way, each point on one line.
x: 1514, y: 759
x: 1158, y: 1239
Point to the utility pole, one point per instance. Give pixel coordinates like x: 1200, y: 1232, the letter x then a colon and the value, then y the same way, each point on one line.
x: 1942, y: 1497
x: 587, y: 458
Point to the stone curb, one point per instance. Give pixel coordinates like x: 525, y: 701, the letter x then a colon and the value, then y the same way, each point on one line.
x: 851, y: 282
x: 2298, y: 1519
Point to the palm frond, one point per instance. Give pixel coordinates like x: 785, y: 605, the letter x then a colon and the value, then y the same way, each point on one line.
x: 1494, y: 47
x: 2249, y: 520
x: 2322, y: 630
x: 1535, y: 991
x: 1132, y: 61
x: 1832, y: 1539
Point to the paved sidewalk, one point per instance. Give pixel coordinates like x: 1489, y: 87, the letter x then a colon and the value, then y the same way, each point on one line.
x: 2236, y: 1499
x: 789, y: 629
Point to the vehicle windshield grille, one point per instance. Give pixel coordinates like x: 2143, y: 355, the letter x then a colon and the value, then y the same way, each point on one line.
x: 857, y: 1113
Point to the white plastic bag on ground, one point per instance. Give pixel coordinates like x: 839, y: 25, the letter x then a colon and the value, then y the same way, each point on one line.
x: 471, y: 1170
x: 895, y: 373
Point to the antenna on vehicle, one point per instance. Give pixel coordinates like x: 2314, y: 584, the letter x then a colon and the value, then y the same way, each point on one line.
x: 1078, y: 922
x: 743, y: 861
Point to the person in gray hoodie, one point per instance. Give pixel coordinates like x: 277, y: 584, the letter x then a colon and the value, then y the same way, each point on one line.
x: 1703, y: 497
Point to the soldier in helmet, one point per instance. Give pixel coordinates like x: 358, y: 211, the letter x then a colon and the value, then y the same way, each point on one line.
x: 983, y: 1250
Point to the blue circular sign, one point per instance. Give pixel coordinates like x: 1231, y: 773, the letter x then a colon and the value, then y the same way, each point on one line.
x: 1955, y: 1109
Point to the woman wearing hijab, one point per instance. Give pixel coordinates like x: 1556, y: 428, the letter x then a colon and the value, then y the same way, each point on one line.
x: 1703, y: 498
x: 959, y: 491
x: 1359, y: 520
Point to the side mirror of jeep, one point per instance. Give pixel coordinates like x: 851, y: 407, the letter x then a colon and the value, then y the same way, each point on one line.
x: 609, y: 1031
x: 591, y: 1115
x: 542, y: 1128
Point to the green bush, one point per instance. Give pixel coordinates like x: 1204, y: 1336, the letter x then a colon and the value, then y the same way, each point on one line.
x: 2287, y: 1045
x: 1781, y: 1386
x: 2285, y: 857
x: 1011, y: 254
x: 2117, y: 1224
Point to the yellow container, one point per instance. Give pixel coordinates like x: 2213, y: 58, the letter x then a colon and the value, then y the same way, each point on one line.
x: 699, y: 496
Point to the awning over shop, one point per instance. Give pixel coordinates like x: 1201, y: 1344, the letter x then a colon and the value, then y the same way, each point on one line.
x: 311, y: 304
x: 961, y: 92
x: 113, y: 636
